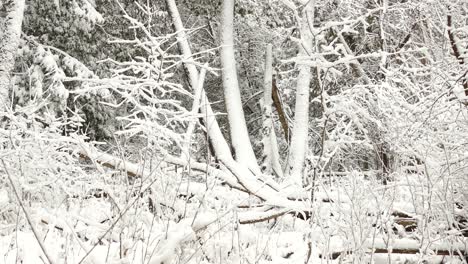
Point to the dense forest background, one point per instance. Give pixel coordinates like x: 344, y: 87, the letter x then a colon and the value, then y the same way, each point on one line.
x: 248, y: 131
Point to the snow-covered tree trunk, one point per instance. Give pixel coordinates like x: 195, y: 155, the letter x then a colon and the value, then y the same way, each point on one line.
x: 239, y: 135
x: 299, y: 142
x: 195, y: 110
x: 270, y: 159
x: 215, y: 135
x: 10, y: 34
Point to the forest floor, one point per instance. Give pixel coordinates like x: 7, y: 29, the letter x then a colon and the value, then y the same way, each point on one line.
x: 171, y: 214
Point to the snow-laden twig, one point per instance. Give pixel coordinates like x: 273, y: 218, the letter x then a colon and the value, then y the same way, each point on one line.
x: 183, y: 232
x: 27, y: 215
x: 119, y: 217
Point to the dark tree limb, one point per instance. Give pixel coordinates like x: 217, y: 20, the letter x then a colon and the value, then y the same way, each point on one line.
x: 456, y: 52
x: 407, y: 38
x: 279, y: 109
x: 453, y: 41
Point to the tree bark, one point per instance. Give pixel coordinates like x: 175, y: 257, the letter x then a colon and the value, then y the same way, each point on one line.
x: 238, y: 129
x: 270, y: 159
x: 299, y: 142
x: 215, y: 136
x: 279, y: 107
x: 10, y: 26
x: 194, y: 112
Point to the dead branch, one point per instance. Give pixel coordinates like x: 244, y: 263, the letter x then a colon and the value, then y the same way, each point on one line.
x: 407, y: 38
x: 279, y: 108
x: 453, y: 41
x: 257, y: 217
x: 456, y: 52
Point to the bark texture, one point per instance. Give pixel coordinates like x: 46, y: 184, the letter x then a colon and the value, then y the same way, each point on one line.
x: 10, y: 34
x: 280, y: 109
x: 299, y: 142
x: 239, y: 135
x: 270, y: 159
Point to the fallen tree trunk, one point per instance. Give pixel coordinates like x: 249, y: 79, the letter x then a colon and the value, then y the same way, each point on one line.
x: 407, y: 246
x: 112, y: 162
x: 406, y: 251
x: 135, y: 170
x: 235, y: 176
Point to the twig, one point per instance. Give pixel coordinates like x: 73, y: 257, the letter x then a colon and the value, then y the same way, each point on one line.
x: 130, y: 205
x: 27, y: 215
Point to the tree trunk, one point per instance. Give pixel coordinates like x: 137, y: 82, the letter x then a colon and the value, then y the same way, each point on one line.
x: 215, y: 136
x: 299, y: 142
x: 239, y: 135
x: 270, y: 159
x: 194, y: 112
x: 10, y: 26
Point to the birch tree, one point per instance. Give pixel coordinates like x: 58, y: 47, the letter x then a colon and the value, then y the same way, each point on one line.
x: 238, y: 129
x: 215, y: 135
x: 299, y: 135
x: 270, y: 159
x: 11, y: 20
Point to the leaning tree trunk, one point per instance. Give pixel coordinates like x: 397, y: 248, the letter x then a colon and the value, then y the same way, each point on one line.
x: 299, y: 142
x: 10, y: 28
x: 239, y: 135
x: 215, y: 136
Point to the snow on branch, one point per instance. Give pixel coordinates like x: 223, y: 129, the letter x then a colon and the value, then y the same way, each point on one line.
x: 182, y: 232
x: 458, y: 52
x: 110, y: 161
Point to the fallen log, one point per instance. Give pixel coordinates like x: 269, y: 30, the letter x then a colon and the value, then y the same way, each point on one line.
x: 408, y: 251
x: 407, y: 246
x: 111, y: 162
x: 257, y: 217
x: 409, y: 224
x: 135, y: 170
